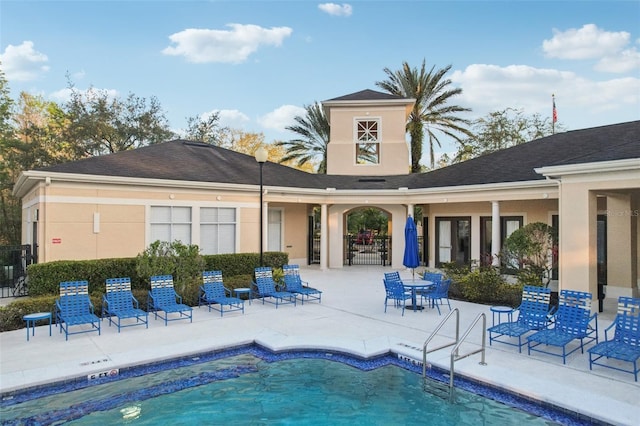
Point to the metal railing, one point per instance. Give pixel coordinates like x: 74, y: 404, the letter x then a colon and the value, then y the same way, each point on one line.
x: 455, y: 356
x: 454, y: 352
x: 367, y: 251
x: 425, y: 351
x: 13, y: 275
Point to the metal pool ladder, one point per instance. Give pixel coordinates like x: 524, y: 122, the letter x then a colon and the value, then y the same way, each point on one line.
x: 455, y: 356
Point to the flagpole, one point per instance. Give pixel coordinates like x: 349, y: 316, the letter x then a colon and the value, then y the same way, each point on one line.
x: 554, y: 114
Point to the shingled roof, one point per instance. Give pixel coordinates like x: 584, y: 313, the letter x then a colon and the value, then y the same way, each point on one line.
x: 191, y: 161
x: 366, y: 95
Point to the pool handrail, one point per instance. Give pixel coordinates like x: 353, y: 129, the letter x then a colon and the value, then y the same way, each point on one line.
x: 455, y: 311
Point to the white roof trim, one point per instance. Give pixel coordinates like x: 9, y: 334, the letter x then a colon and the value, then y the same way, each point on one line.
x: 597, y: 167
x: 369, y: 102
x: 22, y: 185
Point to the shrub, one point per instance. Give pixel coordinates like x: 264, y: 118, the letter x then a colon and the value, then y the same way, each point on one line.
x: 182, y: 261
x: 45, y: 278
x: 529, y: 277
x: 531, y: 250
x: 486, y: 285
x: 238, y: 281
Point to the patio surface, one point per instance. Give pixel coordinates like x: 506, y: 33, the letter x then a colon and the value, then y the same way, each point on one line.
x: 350, y: 319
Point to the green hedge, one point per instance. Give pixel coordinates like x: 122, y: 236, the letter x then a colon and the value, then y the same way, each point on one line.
x: 45, y: 278
x: 44, y: 281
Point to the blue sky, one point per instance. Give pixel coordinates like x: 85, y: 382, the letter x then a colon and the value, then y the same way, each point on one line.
x: 259, y: 62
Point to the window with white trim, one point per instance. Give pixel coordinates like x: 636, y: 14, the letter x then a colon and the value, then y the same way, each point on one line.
x: 367, y: 141
x: 171, y: 223
x: 217, y: 230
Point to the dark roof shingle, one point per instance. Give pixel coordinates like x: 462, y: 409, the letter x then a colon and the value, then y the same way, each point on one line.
x: 199, y: 162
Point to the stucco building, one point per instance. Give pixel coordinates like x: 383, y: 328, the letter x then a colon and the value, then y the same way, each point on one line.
x: 585, y: 182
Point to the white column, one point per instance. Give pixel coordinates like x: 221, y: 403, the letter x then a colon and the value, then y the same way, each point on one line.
x: 495, y: 233
x: 324, y: 237
x: 410, y: 210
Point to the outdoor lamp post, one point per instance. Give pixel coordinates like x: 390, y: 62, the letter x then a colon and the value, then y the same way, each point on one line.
x: 261, y: 155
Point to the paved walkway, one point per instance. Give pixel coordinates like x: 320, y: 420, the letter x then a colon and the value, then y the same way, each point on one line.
x: 351, y: 318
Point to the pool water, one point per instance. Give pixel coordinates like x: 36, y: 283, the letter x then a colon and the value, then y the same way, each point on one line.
x: 246, y: 388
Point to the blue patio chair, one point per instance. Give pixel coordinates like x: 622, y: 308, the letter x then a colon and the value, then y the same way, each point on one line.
x: 266, y: 288
x: 119, y: 302
x: 624, y: 345
x: 395, y: 291
x: 573, y: 321
x: 294, y: 284
x: 74, y: 308
x: 214, y: 294
x: 163, y: 298
x: 433, y: 277
x: 438, y: 295
x: 392, y: 276
x: 533, y: 314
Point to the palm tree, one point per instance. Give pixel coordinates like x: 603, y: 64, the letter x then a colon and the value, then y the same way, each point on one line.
x: 432, y: 94
x: 313, y: 130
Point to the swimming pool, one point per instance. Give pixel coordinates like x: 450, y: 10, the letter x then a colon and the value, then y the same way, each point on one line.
x: 251, y: 385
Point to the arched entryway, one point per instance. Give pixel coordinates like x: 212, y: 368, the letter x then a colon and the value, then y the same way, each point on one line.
x: 367, y: 240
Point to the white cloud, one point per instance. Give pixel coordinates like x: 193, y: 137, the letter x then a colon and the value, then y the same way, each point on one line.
x: 486, y: 87
x: 281, y: 117
x: 588, y: 42
x: 64, y: 95
x: 622, y: 62
x: 344, y: 9
x: 233, y: 46
x: 230, y: 118
x: 23, y: 62
x: 79, y: 75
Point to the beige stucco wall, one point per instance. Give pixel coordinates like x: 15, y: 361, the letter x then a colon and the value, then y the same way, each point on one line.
x: 92, y: 221
x: 394, y: 151
x: 295, y: 234
x: 578, y: 232
x: 530, y: 210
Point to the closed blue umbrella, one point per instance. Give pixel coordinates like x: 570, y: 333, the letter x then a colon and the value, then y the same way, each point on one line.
x: 411, y: 259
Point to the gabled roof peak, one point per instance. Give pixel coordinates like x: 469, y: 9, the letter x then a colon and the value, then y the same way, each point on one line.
x: 367, y: 95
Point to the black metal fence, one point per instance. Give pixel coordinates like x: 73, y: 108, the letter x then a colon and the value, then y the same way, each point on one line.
x: 314, y: 250
x: 13, y: 275
x: 367, y: 251
x: 374, y: 251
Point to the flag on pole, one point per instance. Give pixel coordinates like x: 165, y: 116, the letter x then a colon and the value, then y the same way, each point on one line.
x: 555, y: 113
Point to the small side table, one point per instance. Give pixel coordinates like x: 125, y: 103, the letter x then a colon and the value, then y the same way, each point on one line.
x: 499, y: 310
x: 31, y: 319
x: 243, y: 290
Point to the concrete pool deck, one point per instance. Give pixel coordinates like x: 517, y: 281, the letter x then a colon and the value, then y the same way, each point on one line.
x: 350, y: 319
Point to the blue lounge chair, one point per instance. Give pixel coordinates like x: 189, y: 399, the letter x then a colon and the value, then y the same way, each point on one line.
x: 294, y: 284
x: 119, y: 302
x: 266, y: 288
x: 533, y: 314
x: 74, y: 307
x: 163, y: 298
x: 625, y: 342
x: 395, y: 291
x: 573, y: 321
x: 214, y: 294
